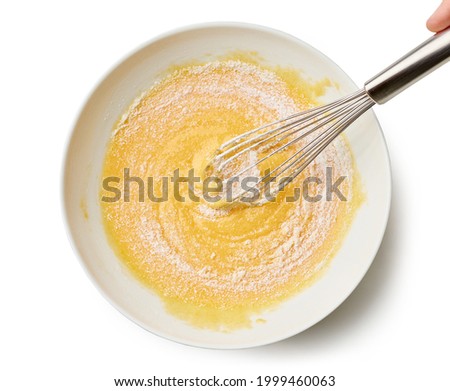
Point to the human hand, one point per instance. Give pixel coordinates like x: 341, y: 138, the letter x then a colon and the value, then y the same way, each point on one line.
x: 441, y: 17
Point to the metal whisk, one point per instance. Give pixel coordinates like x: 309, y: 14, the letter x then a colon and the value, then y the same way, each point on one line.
x: 313, y: 130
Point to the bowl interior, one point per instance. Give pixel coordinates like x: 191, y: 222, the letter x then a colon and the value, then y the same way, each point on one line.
x: 84, y: 164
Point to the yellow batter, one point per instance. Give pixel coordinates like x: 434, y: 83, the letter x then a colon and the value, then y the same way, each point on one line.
x: 220, y: 268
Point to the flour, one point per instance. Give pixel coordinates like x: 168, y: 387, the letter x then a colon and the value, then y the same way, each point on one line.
x: 183, y: 244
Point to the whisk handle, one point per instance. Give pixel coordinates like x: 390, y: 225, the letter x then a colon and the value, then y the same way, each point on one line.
x: 416, y: 64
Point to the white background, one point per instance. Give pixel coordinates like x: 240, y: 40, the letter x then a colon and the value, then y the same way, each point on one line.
x: 58, y: 332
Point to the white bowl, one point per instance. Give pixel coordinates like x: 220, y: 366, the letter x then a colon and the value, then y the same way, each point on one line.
x: 83, y: 167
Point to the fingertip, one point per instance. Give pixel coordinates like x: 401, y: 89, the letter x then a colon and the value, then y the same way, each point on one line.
x: 432, y: 25
x: 441, y: 17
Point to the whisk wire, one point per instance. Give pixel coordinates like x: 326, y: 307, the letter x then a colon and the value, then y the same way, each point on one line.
x: 299, y: 128
x: 277, y: 136
x: 320, y: 145
x: 310, y: 151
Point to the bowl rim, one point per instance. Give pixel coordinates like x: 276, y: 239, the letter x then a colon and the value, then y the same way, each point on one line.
x: 65, y: 163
